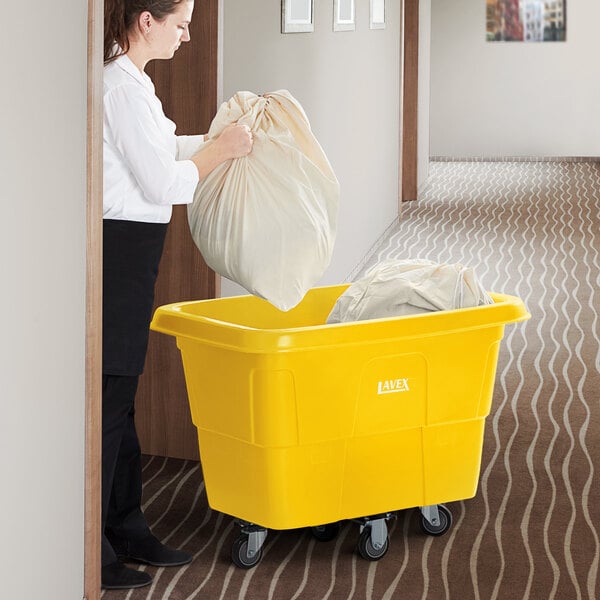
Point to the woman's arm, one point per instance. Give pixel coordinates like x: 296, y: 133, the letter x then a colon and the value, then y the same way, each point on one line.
x: 234, y: 141
x: 140, y: 141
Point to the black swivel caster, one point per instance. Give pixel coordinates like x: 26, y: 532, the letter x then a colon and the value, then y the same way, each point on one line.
x: 435, y: 520
x: 369, y: 549
x: 246, y: 550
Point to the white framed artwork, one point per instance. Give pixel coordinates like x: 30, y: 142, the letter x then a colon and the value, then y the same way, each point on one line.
x: 377, y: 14
x: 343, y: 15
x: 297, y: 16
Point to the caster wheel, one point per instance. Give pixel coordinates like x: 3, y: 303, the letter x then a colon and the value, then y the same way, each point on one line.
x: 442, y: 527
x: 240, y: 556
x: 325, y: 533
x: 366, y: 548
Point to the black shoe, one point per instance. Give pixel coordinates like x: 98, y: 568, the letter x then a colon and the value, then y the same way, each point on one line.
x: 152, y: 552
x: 117, y: 576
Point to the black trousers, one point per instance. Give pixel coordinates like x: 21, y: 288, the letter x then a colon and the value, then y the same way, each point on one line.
x: 122, y: 517
x: 132, y: 252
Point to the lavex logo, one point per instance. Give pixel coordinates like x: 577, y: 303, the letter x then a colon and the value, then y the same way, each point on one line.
x: 392, y: 386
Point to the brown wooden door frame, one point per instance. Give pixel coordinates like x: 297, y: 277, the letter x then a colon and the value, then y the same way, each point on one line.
x: 93, y: 344
x: 409, y: 32
x: 409, y: 90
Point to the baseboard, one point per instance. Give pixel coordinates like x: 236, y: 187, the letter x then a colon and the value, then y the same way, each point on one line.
x: 577, y: 159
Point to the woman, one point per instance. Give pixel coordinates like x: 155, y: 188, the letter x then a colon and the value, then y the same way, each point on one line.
x: 147, y: 169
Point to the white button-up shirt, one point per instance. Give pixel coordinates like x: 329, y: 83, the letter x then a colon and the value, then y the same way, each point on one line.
x: 146, y: 166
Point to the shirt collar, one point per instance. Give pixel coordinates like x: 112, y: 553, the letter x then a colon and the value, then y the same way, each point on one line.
x: 127, y: 65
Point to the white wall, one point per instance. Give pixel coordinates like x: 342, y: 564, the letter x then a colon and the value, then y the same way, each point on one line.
x: 513, y: 98
x: 42, y: 305
x: 348, y: 84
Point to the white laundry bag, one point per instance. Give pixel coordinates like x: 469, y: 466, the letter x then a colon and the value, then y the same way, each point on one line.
x: 267, y: 221
x: 395, y: 288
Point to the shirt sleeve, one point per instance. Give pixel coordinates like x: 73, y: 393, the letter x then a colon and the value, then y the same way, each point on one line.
x: 148, y: 148
x: 188, y: 145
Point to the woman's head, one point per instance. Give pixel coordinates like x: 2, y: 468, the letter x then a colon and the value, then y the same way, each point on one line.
x: 161, y: 24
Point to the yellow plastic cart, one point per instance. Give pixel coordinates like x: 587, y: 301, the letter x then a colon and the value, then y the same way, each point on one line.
x: 305, y: 424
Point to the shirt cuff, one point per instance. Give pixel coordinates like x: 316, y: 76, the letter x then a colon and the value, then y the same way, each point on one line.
x: 188, y: 145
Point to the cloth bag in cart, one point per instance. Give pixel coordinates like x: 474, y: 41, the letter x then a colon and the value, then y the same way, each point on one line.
x: 267, y: 221
x: 394, y: 288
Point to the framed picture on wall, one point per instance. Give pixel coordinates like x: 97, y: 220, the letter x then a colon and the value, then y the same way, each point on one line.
x: 297, y: 16
x: 526, y: 20
x: 343, y: 15
x: 377, y: 14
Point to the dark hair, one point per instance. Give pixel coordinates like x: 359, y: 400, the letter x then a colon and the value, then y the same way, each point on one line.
x: 120, y: 15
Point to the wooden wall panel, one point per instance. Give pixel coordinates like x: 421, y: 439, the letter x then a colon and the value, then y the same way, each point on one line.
x: 187, y: 87
x: 409, y: 100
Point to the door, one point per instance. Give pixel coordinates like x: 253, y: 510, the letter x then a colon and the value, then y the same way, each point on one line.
x: 187, y: 87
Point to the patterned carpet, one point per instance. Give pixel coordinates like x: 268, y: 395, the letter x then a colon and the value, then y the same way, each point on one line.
x: 531, y: 229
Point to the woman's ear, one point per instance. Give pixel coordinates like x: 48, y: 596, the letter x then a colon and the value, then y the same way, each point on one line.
x: 145, y: 21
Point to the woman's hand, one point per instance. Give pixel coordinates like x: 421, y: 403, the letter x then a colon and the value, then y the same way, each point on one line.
x: 235, y: 141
